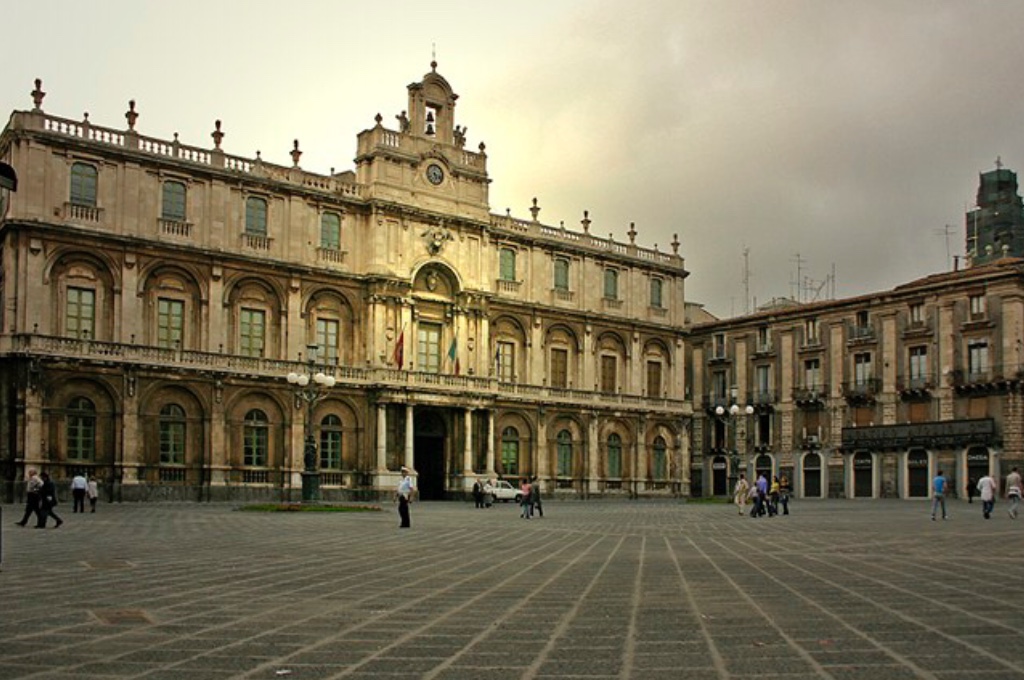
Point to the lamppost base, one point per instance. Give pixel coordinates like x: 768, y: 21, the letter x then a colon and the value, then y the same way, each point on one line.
x: 310, y: 487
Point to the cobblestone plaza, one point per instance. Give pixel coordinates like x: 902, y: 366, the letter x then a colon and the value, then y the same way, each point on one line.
x: 650, y: 589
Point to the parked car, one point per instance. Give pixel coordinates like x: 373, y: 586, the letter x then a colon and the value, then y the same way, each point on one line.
x: 504, y: 491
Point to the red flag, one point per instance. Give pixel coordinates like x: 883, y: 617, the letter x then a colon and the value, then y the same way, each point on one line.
x: 398, y: 358
x: 453, y: 355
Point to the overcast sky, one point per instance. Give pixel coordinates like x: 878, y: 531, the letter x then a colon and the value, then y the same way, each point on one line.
x: 850, y: 133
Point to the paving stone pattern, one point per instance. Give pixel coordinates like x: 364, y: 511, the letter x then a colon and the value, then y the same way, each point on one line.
x: 839, y: 589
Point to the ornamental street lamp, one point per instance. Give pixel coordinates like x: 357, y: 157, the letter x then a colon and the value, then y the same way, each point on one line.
x: 310, y: 387
x: 734, y: 455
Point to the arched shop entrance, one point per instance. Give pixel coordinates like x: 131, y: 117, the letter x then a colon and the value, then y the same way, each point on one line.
x: 428, y: 449
x: 917, y: 473
x: 763, y: 466
x: 812, y: 475
x: 719, y: 476
x: 863, y: 475
x: 978, y: 463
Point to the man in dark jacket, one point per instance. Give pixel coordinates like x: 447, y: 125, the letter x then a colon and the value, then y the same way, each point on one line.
x: 48, y: 499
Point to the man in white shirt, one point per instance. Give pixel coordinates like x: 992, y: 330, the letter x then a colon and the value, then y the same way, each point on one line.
x: 404, y: 493
x: 78, y: 487
x: 1014, y: 491
x: 987, y: 488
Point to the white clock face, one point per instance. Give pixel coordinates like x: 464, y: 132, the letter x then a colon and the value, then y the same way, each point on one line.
x: 435, y: 174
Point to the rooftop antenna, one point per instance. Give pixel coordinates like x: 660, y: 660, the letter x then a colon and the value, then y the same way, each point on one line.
x: 946, y: 232
x: 799, y: 276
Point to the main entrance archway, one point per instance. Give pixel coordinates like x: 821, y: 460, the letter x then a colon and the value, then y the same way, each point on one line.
x: 429, y: 434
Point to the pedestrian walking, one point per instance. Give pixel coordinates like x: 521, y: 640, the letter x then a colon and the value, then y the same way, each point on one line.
x: 535, y: 498
x: 524, y: 498
x: 762, y: 495
x: 404, y: 493
x: 784, y: 490
x: 93, y: 492
x: 773, y: 496
x: 987, y: 492
x: 739, y: 493
x: 33, y: 486
x: 1014, y: 491
x: 79, y: 486
x: 478, y: 494
x: 488, y: 494
x: 972, y: 488
x: 47, y: 502
x: 939, y: 487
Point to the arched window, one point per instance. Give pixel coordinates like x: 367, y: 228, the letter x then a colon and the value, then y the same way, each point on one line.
x: 172, y: 435
x: 659, y: 462
x: 510, y: 451
x: 561, y: 274
x: 614, y: 456
x: 508, y: 265
x: 330, y: 231
x: 611, y: 284
x: 83, y: 185
x: 173, y: 207
x: 256, y: 216
x: 656, y: 287
x: 564, y: 446
x: 81, y: 428
x: 255, y: 439
x: 330, y: 442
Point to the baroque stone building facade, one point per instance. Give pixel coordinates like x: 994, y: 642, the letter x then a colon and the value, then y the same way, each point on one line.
x: 869, y: 396
x: 156, y: 295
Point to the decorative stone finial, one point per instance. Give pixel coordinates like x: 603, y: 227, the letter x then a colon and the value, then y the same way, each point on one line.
x: 130, y: 115
x: 632, y: 232
x: 482, y: 147
x: 433, y: 65
x: 378, y: 118
x: 85, y: 119
x: 176, y: 142
x: 259, y: 158
x: 586, y: 221
x: 535, y: 209
x: 296, y: 154
x: 675, y: 243
x: 216, y: 134
x: 37, y: 95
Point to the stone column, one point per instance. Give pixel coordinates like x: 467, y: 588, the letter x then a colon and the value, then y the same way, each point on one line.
x: 467, y: 451
x: 543, y: 455
x: 382, y: 437
x: 408, y: 437
x: 490, y: 443
x: 591, y: 479
x: 640, y: 470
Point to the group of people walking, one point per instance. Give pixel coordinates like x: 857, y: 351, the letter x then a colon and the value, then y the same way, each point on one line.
x: 766, y: 498
x: 530, y: 499
x: 41, y: 497
x: 988, y: 490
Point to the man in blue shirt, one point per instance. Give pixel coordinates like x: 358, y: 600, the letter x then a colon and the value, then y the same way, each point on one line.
x: 939, y: 485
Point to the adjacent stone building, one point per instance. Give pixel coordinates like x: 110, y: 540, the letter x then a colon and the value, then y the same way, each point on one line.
x: 866, y: 397
x: 157, y: 295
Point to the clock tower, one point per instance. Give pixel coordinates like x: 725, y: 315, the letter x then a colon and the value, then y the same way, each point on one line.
x: 422, y: 162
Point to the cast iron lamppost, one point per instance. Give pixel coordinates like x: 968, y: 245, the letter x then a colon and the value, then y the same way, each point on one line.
x: 734, y: 455
x: 310, y: 387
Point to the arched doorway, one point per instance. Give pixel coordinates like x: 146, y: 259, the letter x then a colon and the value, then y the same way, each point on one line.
x: 428, y: 450
x: 812, y: 475
x: 719, y: 476
x: 763, y: 466
x: 978, y: 464
x: 917, y: 473
x: 863, y: 475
